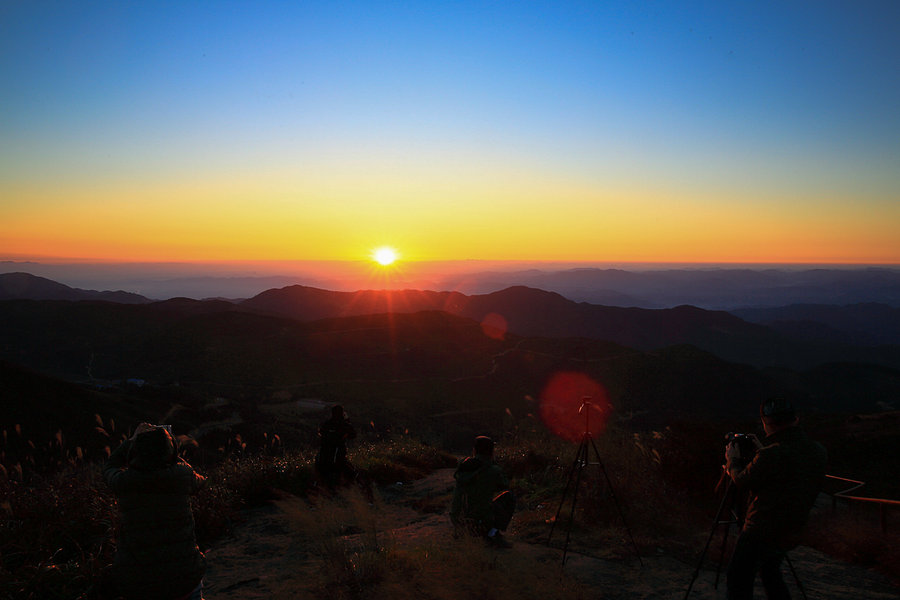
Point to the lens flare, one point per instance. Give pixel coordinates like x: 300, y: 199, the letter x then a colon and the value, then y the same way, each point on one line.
x: 572, y: 403
x: 494, y: 326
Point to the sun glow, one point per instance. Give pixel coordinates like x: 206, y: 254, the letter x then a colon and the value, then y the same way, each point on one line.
x: 384, y: 256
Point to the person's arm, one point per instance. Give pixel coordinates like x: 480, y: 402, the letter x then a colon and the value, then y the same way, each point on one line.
x: 116, y: 464
x: 197, y: 483
x: 197, y: 480
x: 757, y: 471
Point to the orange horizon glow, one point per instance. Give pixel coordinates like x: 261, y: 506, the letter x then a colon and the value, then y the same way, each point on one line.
x: 46, y: 255
x: 520, y: 224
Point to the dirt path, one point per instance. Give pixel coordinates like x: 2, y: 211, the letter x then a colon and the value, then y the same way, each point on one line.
x: 265, y: 558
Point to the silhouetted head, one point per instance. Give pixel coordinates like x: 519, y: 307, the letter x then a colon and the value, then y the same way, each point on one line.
x: 484, y: 445
x: 777, y: 413
x: 337, y: 412
x: 152, y: 449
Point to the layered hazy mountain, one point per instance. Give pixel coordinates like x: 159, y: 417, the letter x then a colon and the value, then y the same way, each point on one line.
x: 643, y: 286
x: 18, y: 286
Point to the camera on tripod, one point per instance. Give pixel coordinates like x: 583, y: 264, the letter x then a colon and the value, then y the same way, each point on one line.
x: 747, y: 445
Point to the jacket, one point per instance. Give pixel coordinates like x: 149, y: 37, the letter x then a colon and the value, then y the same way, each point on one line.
x: 333, y: 436
x: 784, y: 478
x: 478, y: 480
x: 157, y: 554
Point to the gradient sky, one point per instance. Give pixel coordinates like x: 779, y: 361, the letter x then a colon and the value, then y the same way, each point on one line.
x: 592, y: 131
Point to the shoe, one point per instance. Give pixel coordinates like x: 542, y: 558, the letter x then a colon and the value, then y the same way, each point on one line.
x: 498, y: 541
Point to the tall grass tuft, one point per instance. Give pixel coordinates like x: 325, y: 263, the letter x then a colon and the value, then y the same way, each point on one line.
x: 354, y: 555
x: 402, y: 459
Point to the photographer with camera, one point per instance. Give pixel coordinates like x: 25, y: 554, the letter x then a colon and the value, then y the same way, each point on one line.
x: 156, y: 553
x: 783, y: 478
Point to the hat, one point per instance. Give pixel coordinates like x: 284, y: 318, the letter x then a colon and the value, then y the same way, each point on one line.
x: 153, y: 449
x: 777, y: 410
x: 484, y: 445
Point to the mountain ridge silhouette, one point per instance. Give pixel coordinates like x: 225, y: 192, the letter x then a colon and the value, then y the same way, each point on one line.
x: 19, y: 286
x: 533, y: 312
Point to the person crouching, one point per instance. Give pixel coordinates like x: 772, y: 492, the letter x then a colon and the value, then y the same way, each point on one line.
x: 482, y: 502
x: 156, y: 554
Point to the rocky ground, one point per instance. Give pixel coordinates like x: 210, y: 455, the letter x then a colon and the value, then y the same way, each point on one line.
x: 267, y: 557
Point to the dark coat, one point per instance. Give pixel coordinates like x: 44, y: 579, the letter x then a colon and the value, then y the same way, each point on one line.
x: 784, y: 479
x: 157, y: 554
x: 333, y: 436
x: 478, y: 480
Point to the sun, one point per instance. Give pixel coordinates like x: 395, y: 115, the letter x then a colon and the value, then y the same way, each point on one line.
x: 384, y: 255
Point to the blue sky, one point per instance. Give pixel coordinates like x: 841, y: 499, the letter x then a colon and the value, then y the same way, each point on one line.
x: 753, y: 104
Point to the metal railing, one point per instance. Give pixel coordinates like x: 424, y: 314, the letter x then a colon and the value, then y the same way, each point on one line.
x: 884, y: 505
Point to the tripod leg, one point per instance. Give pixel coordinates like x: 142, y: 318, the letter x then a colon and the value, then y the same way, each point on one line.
x: 581, y: 461
x: 565, y: 492
x: 722, y: 553
x: 615, y: 499
x: 716, y: 522
x: 794, y: 573
x: 729, y: 499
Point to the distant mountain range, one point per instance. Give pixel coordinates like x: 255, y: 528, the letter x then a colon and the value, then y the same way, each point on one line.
x: 798, y: 337
x: 868, y: 324
x: 715, y: 288
x: 531, y: 312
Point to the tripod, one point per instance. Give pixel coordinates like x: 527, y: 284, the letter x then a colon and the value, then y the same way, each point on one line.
x: 729, y: 500
x: 581, y: 461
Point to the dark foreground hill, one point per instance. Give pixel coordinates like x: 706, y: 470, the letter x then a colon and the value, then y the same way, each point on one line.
x: 417, y: 364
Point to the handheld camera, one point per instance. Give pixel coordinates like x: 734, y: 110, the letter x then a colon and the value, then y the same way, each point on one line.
x: 747, y: 445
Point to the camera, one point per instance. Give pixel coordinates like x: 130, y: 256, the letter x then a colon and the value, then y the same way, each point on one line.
x: 746, y: 444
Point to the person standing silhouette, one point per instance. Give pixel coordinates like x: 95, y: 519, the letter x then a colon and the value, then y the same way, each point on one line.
x: 783, y: 478
x: 331, y: 461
